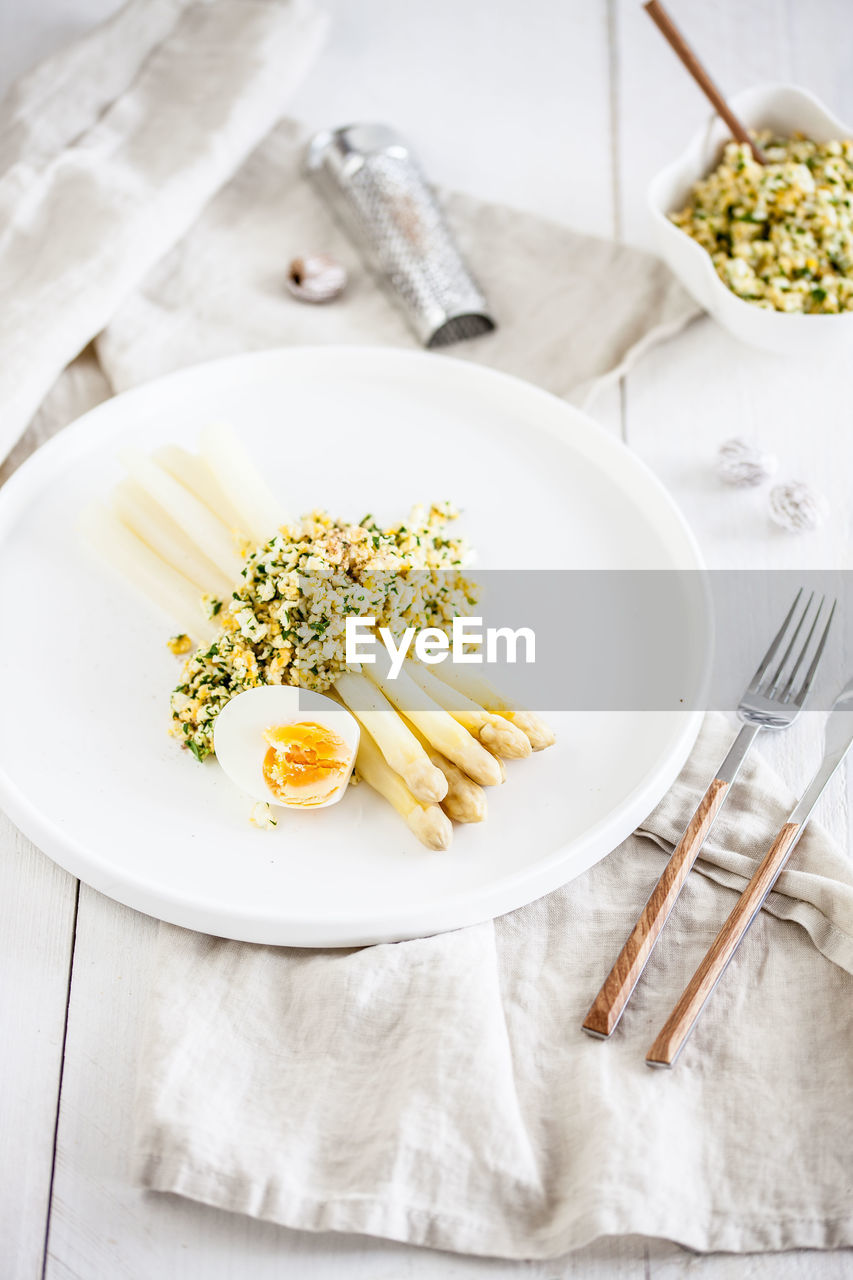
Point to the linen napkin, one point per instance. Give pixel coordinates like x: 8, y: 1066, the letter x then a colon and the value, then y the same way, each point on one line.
x: 441, y: 1091
x: 573, y: 311
x: 108, y: 152
x: 436, y: 1091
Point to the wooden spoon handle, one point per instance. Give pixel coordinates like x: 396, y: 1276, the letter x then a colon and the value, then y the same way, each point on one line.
x: 670, y: 31
x: 609, y: 1004
x: 685, y: 1015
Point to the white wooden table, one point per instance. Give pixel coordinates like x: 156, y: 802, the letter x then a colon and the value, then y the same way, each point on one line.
x: 565, y: 107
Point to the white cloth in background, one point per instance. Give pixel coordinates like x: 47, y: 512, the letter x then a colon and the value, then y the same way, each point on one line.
x: 108, y: 152
x: 437, y: 1091
x: 573, y: 311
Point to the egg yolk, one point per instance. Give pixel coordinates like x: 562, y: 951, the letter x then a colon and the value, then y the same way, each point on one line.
x: 305, y: 762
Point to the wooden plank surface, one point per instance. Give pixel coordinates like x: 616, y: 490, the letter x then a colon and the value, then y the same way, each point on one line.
x: 689, y: 395
x: 507, y: 100
x: 36, y: 940
x: 554, y: 106
x: 37, y: 936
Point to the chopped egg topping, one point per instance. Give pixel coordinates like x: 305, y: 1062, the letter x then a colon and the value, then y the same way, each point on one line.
x: 286, y: 621
x: 780, y: 235
x: 261, y: 816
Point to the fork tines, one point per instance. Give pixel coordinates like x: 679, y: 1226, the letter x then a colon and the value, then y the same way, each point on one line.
x: 781, y: 685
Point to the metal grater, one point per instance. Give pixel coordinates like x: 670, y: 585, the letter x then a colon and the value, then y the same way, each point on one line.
x: 374, y: 185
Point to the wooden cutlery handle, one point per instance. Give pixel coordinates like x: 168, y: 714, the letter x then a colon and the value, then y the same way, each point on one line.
x: 670, y: 32
x: 608, y: 1005
x: 684, y: 1016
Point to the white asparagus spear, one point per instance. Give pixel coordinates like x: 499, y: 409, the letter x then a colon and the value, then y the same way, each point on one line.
x: 197, y: 521
x: 242, y: 482
x: 496, y: 733
x: 476, y: 686
x: 465, y: 800
x: 163, y: 585
x: 194, y: 474
x: 435, y: 724
x: 430, y: 825
x: 401, y: 749
x: 539, y: 732
x: 150, y: 523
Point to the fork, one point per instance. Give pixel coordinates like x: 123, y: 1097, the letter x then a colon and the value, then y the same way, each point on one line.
x: 772, y: 700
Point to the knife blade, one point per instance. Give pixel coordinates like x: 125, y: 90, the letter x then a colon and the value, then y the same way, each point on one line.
x: 838, y: 738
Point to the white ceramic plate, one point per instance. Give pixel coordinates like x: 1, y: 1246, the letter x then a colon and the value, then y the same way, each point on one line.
x: 87, y: 769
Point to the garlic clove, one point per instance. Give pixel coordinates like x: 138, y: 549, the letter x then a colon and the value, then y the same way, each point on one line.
x: 316, y: 278
x: 743, y: 464
x: 797, y: 508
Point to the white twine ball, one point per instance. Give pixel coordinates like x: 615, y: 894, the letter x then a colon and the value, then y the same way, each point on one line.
x: 796, y: 507
x: 316, y: 278
x: 742, y: 464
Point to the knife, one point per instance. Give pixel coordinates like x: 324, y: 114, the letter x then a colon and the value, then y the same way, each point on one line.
x: 678, y: 1026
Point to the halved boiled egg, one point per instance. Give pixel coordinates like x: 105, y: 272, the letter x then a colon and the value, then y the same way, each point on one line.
x: 287, y: 746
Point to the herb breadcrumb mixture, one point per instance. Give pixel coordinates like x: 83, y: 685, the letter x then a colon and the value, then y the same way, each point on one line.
x: 780, y: 235
x: 285, y: 622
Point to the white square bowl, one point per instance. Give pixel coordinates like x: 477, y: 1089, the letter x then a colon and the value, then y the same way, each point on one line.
x: 785, y: 109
